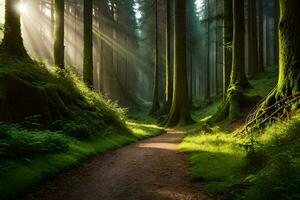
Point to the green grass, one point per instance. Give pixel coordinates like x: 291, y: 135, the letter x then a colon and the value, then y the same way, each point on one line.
x: 259, y: 166
x: 264, y: 165
x: 217, y: 159
x: 20, y: 176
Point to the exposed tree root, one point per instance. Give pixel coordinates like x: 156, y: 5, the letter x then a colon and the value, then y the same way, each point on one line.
x: 273, y: 108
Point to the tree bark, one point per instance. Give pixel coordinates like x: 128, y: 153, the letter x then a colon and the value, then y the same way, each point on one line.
x: 207, y: 88
x: 180, y: 113
x: 169, y: 85
x: 261, y: 37
x: 59, y: 48
x: 88, y: 43
x: 238, y: 75
x: 227, y: 44
x: 276, y: 38
x: 252, y: 39
x: 155, y: 97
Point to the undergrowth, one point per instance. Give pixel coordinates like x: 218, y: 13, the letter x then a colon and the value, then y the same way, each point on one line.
x: 262, y: 165
x: 53, y: 122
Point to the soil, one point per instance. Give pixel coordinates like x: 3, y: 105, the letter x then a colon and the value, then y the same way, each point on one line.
x: 152, y: 169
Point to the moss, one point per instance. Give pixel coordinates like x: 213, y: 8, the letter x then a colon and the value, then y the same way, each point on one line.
x: 28, y: 89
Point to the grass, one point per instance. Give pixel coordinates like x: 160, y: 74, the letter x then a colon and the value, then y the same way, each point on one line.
x: 264, y: 165
x: 20, y: 176
x: 57, y: 124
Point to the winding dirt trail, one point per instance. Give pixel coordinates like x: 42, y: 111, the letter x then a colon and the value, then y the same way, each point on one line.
x: 152, y: 169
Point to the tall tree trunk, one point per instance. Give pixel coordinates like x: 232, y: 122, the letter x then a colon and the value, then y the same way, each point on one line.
x: 289, y: 40
x: 252, y: 39
x: 227, y: 42
x: 276, y: 38
x: 261, y: 36
x: 289, y: 54
x: 169, y: 84
x: 180, y: 113
x: 238, y: 75
x: 207, y: 88
x: 155, y: 96
x: 216, y: 53
x: 12, y: 43
x: 231, y: 106
x: 88, y: 43
x: 59, y: 32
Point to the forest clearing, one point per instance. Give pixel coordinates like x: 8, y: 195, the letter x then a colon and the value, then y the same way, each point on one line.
x: 158, y: 99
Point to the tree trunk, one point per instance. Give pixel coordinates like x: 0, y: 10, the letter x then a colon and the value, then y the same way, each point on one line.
x: 261, y: 37
x: 238, y: 75
x: 88, y: 43
x: 276, y: 38
x: 180, y: 113
x: 12, y: 43
x: 216, y: 53
x: 289, y: 40
x: 231, y: 106
x: 289, y: 56
x: 169, y: 85
x: 252, y: 39
x: 207, y: 88
x: 227, y: 42
x: 155, y: 97
x: 59, y: 48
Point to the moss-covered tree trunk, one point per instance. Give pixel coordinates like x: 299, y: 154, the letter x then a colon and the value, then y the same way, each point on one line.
x: 179, y: 113
x: 289, y: 59
x: 155, y: 97
x: 261, y: 36
x: 231, y: 106
x: 289, y: 48
x: 252, y: 39
x: 59, y: 32
x: 227, y: 42
x: 169, y: 83
x: 12, y: 43
x: 88, y: 43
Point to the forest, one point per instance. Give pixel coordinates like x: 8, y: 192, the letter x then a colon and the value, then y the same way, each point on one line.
x: 149, y: 99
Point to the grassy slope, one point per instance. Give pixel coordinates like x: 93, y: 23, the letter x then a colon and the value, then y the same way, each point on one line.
x: 30, y: 153
x: 229, y: 164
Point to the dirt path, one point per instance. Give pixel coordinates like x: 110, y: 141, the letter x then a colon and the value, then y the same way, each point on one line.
x: 148, y: 170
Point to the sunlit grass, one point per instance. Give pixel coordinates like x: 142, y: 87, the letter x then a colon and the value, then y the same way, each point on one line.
x: 217, y: 159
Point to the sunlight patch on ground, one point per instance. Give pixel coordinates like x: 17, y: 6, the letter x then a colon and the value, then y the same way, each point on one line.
x: 155, y: 145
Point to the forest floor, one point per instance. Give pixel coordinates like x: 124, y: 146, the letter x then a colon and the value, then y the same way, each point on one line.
x: 150, y: 169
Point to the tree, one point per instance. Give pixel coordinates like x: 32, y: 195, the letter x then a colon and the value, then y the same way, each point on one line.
x: 59, y: 55
x: 169, y: 84
x: 216, y: 71
x: 207, y: 81
x: 231, y: 106
x: 12, y: 43
x: 227, y: 43
x: 155, y: 97
x: 276, y: 38
x: 261, y: 36
x: 252, y: 39
x: 289, y: 52
x: 179, y: 113
x: 88, y: 43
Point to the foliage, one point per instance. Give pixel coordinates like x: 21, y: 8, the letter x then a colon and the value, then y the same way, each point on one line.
x: 40, y: 168
x: 18, y: 143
